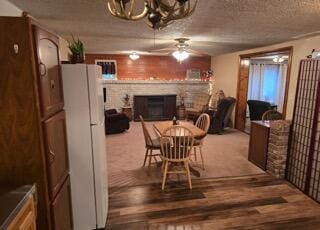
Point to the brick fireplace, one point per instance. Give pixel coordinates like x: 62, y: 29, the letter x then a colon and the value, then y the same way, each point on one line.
x: 154, y: 107
x: 117, y: 89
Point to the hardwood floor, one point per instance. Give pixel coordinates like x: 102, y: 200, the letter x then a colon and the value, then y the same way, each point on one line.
x: 248, y: 202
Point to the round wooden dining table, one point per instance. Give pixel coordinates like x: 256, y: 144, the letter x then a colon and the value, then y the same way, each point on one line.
x: 198, y: 133
x: 164, y: 125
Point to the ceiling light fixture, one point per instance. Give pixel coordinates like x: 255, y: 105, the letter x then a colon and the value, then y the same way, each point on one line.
x: 160, y: 13
x: 180, y: 55
x: 134, y: 56
x: 278, y: 59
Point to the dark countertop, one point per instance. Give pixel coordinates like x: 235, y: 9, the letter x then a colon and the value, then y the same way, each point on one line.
x: 11, y: 201
x: 262, y: 123
x: 154, y: 95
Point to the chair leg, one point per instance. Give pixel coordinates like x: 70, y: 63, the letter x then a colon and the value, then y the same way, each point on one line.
x: 186, y: 165
x: 155, y: 159
x: 150, y: 158
x: 200, y: 149
x: 165, y: 174
x: 195, y: 153
x: 145, y: 157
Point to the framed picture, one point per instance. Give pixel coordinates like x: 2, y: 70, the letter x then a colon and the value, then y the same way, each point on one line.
x: 193, y: 74
x: 109, y: 69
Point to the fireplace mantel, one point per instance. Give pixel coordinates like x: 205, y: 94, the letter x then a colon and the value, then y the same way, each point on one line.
x: 187, y: 82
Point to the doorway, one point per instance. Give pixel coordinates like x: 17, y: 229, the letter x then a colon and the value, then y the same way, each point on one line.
x: 263, y: 76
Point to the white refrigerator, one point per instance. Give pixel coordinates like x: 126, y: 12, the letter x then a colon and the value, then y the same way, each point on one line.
x: 83, y: 97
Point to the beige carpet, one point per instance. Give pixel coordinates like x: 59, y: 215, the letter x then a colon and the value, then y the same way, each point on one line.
x: 225, y: 156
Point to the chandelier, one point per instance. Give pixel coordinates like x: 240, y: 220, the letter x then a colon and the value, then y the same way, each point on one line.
x: 159, y: 13
x: 180, y: 55
x: 279, y: 59
x: 134, y: 56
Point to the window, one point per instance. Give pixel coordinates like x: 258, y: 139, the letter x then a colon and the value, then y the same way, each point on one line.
x: 109, y: 69
x: 267, y: 83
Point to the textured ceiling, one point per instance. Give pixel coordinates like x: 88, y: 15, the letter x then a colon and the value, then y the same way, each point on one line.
x: 216, y: 27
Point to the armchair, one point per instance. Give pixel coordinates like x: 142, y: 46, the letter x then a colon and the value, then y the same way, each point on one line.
x: 115, y: 122
x: 221, y: 117
x: 199, y: 105
x: 258, y: 108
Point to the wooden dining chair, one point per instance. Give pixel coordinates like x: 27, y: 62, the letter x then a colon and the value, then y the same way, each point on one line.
x: 150, y: 144
x: 272, y: 115
x: 176, y: 144
x: 203, y: 122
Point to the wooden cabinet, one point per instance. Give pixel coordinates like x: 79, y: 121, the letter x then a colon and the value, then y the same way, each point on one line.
x: 170, y: 107
x: 140, y: 107
x: 49, y: 72
x: 258, y: 146
x: 154, y: 107
x: 61, y: 208
x: 25, y: 218
x: 33, y: 143
x: 56, y: 151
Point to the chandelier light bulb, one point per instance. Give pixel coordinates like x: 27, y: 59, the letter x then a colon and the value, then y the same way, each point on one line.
x: 180, y: 55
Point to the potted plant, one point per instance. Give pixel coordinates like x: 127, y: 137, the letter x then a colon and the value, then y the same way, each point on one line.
x: 77, y: 51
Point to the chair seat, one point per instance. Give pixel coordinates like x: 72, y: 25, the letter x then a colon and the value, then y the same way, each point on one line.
x: 156, y: 143
x: 197, y: 142
x: 192, y: 110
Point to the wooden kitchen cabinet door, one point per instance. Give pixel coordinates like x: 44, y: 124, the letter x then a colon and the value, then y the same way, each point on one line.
x: 49, y: 72
x: 62, y: 208
x: 56, y: 151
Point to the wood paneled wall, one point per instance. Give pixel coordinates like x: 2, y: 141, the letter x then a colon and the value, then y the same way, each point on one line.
x: 158, y: 67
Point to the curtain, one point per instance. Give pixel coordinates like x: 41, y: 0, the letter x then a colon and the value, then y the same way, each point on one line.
x: 267, y: 83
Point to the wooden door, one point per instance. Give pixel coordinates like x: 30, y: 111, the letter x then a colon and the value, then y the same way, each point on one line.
x: 62, y: 209
x: 240, y: 119
x: 56, y: 151
x: 49, y: 72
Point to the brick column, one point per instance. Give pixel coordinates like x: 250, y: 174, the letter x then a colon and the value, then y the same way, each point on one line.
x: 278, y: 148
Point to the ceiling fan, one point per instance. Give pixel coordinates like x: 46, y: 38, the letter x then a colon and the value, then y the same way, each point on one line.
x: 180, y: 50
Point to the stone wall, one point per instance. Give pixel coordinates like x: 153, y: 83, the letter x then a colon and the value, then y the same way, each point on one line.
x: 117, y: 89
x: 278, y: 148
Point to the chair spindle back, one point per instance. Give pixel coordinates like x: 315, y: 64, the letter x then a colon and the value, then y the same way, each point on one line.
x: 176, y: 143
x: 203, y: 122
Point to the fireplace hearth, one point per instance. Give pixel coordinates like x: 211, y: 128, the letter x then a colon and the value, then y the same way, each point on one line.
x: 154, y: 107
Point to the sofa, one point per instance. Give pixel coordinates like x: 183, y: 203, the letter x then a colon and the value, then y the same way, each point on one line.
x: 115, y: 122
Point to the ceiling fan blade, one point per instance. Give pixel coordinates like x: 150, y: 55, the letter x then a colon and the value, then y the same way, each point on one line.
x: 195, y: 53
x: 168, y: 49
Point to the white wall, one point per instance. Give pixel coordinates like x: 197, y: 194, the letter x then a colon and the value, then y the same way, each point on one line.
x: 225, y: 67
x: 8, y: 9
x: 64, y: 50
